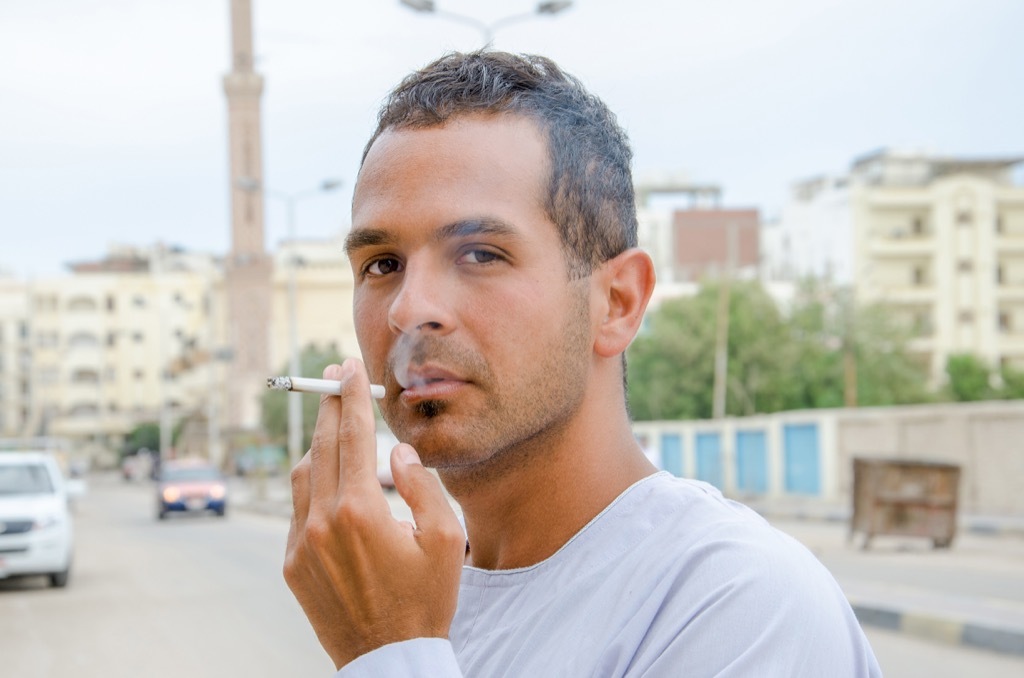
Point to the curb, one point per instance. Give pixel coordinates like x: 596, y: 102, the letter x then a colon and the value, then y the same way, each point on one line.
x: 949, y: 631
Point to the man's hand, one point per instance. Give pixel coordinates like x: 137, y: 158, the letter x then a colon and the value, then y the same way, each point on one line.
x: 363, y: 578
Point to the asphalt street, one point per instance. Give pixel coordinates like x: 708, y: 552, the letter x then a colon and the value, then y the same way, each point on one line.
x: 204, y: 596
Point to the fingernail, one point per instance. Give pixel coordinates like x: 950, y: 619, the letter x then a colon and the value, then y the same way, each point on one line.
x: 407, y: 455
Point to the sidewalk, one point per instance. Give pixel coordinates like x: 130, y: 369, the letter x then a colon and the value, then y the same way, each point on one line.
x: 970, y: 594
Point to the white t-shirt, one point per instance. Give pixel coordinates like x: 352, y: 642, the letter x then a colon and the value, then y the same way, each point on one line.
x: 671, y: 579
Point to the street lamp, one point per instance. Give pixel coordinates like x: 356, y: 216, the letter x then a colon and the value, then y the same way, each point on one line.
x: 550, y: 7
x: 294, y: 399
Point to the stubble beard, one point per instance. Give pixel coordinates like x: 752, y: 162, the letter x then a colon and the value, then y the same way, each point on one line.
x: 519, y: 422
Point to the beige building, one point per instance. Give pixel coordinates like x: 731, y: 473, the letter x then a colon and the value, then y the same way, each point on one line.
x: 941, y: 240
x: 15, y: 356
x: 143, y: 336
x: 938, y: 239
x: 323, y: 280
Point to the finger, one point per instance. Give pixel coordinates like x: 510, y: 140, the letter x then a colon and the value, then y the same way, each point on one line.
x: 300, y: 490
x: 357, y: 440
x: 323, y: 452
x: 423, y: 494
x: 300, y: 512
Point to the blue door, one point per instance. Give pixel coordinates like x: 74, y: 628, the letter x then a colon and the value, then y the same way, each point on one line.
x: 709, y: 458
x: 802, y: 458
x: 672, y: 453
x: 751, y: 462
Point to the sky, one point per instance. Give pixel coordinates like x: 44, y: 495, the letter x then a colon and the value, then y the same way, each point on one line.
x: 113, y: 122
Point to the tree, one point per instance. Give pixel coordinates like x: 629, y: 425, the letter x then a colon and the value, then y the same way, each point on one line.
x: 969, y: 378
x: 826, y: 351
x: 671, y: 363
x: 144, y: 436
x: 312, y: 362
x: 1013, y: 383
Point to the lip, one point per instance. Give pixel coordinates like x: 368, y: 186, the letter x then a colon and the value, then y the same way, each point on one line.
x: 431, y: 383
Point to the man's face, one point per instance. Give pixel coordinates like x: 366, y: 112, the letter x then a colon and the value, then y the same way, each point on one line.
x: 463, y: 305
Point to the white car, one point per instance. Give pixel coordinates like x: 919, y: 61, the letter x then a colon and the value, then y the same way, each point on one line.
x: 36, y: 533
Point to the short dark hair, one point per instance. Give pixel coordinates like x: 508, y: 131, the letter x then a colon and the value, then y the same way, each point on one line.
x: 590, y: 191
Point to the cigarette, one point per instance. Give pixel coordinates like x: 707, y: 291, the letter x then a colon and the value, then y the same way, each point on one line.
x: 305, y: 385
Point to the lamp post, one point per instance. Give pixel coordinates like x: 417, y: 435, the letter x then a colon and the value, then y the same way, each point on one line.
x: 294, y: 399
x: 549, y: 7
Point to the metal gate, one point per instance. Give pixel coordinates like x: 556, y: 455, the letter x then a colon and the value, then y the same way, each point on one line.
x: 751, y: 462
x: 709, y: 458
x: 802, y: 456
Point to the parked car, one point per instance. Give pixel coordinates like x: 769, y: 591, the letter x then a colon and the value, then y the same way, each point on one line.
x: 190, y: 486
x: 36, y: 531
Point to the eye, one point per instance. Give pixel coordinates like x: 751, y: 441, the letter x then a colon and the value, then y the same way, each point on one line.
x: 382, y: 266
x: 478, y: 257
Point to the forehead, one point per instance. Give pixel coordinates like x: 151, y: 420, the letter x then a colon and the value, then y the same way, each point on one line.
x: 485, y: 164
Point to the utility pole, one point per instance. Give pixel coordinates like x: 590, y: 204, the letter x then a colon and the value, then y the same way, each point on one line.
x: 722, y: 331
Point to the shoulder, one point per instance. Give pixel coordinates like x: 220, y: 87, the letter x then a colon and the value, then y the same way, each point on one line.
x: 715, y: 542
x: 743, y: 591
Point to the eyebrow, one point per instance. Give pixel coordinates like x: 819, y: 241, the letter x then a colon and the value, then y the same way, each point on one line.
x: 378, y: 237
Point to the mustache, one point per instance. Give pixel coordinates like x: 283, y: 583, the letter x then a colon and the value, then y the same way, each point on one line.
x: 405, y: 356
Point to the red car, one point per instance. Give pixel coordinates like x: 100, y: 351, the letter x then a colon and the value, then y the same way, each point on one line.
x: 190, y: 486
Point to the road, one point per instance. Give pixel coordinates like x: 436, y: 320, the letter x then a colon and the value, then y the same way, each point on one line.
x: 204, y: 597
x: 183, y: 597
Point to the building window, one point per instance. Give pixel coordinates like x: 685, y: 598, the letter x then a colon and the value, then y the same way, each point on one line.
x: 999, y: 223
x: 82, y: 304
x: 918, y: 276
x: 966, y: 317
x: 1005, y: 322
x: 139, y: 301
x: 963, y: 218
x: 965, y: 265
x: 917, y: 226
x: 84, y: 410
x: 138, y: 374
x: 85, y: 376
x: 137, y: 337
x: 82, y: 339
x: 999, y: 274
x: 111, y: 303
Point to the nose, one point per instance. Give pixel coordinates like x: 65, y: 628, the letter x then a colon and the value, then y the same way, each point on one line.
x: 423, y: 302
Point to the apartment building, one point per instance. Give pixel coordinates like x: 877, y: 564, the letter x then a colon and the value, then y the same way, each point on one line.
x: 15, y: 356
x: 141, y: 335
x: 940, y: 240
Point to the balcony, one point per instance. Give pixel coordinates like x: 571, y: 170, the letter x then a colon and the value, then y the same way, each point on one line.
x: 1010, y: 292
x: 1010, y: 243
x: 1011, y: 344
x: 908, y: 247
x: 918, y: 295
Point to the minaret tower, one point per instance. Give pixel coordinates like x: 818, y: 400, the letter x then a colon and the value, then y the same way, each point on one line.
x: 248, y: 267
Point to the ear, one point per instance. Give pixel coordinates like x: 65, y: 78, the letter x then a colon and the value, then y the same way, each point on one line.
x: 624, y: 286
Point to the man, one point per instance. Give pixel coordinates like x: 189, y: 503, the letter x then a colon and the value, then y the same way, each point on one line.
x: 497, y: 286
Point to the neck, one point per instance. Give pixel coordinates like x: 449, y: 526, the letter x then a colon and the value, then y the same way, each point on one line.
x: 524, y: 505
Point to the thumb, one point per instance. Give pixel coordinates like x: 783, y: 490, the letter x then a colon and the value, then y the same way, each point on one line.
x: 421, y: 491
